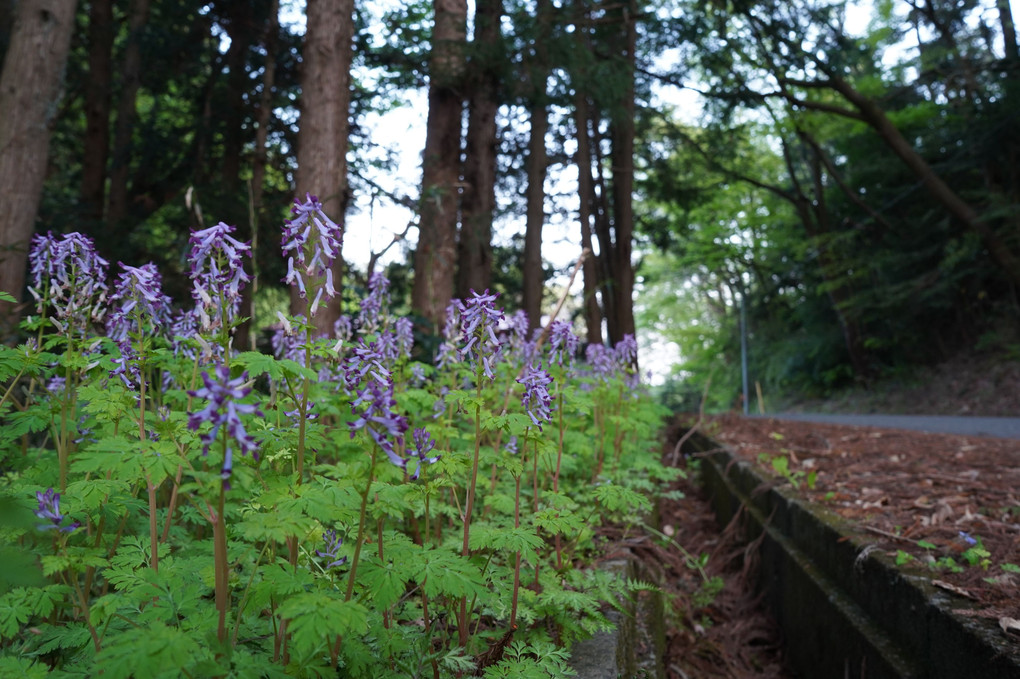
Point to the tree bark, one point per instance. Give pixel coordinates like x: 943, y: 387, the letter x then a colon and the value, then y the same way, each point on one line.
x: 263, y: 114
x: 127, y: 113
x: 435, y: 256
x: 30, y: 88
x: 585, y: 192
x: 1008, y: 30
x: 478, y: 203
x: 98, y: 95
x: 534, y: 282
x: 325, y: 123
x: 622, y: 137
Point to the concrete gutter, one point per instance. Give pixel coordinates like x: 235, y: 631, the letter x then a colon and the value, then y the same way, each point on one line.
x: 846, y: 611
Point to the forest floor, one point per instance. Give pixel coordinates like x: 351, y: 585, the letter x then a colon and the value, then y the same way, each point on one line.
x: 911, y: 493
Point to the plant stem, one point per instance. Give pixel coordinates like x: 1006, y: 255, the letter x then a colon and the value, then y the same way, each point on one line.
x: 221, y: 566
x: 462, y: 627
x: 361, y: 527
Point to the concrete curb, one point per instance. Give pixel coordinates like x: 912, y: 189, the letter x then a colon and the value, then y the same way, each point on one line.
x: 636, y: 645
x: 846, y: 611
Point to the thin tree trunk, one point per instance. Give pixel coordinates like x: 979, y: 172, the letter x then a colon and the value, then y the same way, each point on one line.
x: 30, y: 88
x: 592, y: 311
x: 435, y: 256
x: 622, y: 135
x: 537, y: 163
x: 474, y: 261
x: 127, y: 113
x: 533, y: 283
x: 1008, y: 30
x: 325, y: 122
x: 949, y: 199
x: 97, y: 110
x: 263, y: 114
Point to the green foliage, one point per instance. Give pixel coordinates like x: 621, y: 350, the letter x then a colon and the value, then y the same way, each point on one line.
x: 150, y: 565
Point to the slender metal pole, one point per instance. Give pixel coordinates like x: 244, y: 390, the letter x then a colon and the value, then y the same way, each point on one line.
x: 743, y: 346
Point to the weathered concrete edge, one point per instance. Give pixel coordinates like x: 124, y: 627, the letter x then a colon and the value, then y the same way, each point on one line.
x: 887, y: 622
x: 614, y: 654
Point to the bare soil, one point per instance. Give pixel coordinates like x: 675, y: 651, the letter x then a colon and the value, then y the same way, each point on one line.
x: 929, y: 496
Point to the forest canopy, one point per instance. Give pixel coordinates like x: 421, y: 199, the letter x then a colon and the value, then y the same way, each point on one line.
x: 844, y: 172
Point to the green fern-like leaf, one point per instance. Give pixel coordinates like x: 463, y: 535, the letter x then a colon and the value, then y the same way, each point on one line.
x: 316, y: 618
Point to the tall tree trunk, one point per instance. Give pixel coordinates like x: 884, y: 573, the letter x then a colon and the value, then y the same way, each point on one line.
x: 435, y: 256
x: 325, y: 122
x: 622, y: 137
x: 534, y: 282
x: 98, y: 92
x: 30, y: 88
x: 585, y: 193
x: 478, y: 204
x: 1008, y: 30
x: 240, y: 28
x: 263, y: 114
x: 127, y: 113
x: 537, y: 163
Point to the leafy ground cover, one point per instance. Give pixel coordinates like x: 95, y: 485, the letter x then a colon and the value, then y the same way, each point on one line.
x: 174, y: 508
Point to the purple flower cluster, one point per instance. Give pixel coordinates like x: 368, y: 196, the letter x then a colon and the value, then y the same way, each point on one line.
x: 448, y: 353
x: 536, y: 399
x: 311, y: 241
x: 479, y: 319
x: 372, y: 304
x: 563, y: 343
x: 404, y: 330
x: 69, y: 276
x: 217, y: 274
x: 224, y: 409
x: 49, y: 510
x: 366, y: 361
x: 137, y: 298
x: 423, y: 445
x: 373, y: 410
x: 332, y: 551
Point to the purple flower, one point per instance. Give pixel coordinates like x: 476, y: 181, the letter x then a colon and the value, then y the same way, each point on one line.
x: 536, y: 399
x: 626, y: 351
x: 125, y: 366
x: 563, y: 343
x: 343, y: 328
x: 311, y: 241
x: 966, y: 537
x: 49, y: 510
x: 423, y: 445
x: 479, y: 319
x: 223, y: 408
x: 70, y: 277
x: 373, y: 410
x: 365, y: 361
x: 137, y: 297
x: 332, y: 551
x: 511, y: 446
x: 404, y: 330
x: 217, y: 274
x: 601, y: 361
x: 372, y: 304
x: 448, y: 353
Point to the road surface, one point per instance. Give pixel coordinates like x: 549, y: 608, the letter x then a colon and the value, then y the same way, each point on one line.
x: 999, y: 427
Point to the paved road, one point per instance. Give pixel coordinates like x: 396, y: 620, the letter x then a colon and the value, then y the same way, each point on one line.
x: 999, y: 427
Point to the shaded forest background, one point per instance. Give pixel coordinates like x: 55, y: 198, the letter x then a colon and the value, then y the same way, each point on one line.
x: 843, y: 174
